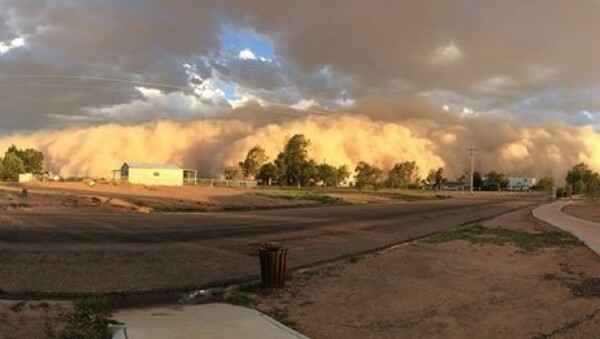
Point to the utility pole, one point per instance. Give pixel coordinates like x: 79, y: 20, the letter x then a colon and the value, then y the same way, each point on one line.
x: 472, y: 150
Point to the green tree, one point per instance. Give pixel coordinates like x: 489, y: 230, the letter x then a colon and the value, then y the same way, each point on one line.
x: 577, y: 177
x: 293, y: 161
x: 308, y: 173
x: 33, y: 160
x: 593, y: 186
x: 268, y: 174
x: 495, y: 181
x: 255, y: 158
x: 328, y: 175
x: 545, y: 184
x: 12, y: 167
x: 403, y: 174
x: 367, y: 175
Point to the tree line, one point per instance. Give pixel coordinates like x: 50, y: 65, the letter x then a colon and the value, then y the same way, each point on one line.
x: 581, y: 180
x: 17, y: 161
x: 294, y: 167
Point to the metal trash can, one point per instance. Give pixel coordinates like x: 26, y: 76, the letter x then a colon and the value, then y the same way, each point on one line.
x: 273, y: 258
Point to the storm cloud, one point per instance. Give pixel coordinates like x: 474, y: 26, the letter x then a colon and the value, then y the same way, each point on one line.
x: 518, y: 76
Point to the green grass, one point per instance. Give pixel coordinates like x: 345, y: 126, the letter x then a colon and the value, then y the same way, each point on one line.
x: 529, y: 242
x: 302, y: 195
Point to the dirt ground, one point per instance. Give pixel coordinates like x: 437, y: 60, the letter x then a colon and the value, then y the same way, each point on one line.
x: 108, y: 197
x: 31, y: 319
x: 589, y: 210
x: 123, y: 197
x: 447, y: 289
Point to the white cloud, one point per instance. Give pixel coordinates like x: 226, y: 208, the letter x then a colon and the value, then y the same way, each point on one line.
x: 205, y: 99
x: 7, y: 46
x: 496, y: 84
x: 446, y: 55
x: 304, y: 104
x: 246, y: 54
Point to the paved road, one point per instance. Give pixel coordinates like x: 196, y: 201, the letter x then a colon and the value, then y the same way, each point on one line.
x: 81, y: 253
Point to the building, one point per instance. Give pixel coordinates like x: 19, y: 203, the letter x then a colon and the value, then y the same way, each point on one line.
x: 154, y: 174
x: 520, y: 183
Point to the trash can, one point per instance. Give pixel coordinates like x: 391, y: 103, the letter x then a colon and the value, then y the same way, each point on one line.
x: 273, y: 257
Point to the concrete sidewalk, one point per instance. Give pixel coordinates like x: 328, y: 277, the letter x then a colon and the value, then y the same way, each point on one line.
x: 587, y: 231
x: 209, y: 321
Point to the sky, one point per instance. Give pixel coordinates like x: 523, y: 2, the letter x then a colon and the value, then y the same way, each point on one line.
x: 68, y: 65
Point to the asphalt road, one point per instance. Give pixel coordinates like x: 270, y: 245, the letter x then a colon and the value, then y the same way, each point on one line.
x: 104, y: 253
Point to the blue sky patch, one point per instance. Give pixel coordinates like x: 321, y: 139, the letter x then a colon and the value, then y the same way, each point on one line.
x: 234, y: 40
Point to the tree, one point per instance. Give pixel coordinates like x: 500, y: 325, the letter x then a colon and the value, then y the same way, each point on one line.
x: 294, y: 159
x: 255, y: 158
x: 593, y: 186
x: 577, y: 177
x: 231, y: 172
x: 308, y: 173
x: 545, y: 184
x: 33, y: 160
x: 435, y: 178
x: 367, y: 175
x: 343, y: 173
x: 268, y: 173
x: 12, y: 167
x: 495, y: 181
x: 477, y: 181
x: 403, y: 174
x: 328, y: 175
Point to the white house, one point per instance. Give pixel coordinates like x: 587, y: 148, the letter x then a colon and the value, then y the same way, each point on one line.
x: 520, y: 183
x: 154, y: 174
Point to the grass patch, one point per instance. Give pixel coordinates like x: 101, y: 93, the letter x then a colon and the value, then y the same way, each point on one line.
x: 89, y: 319
x: 303, y: 195
x: 239, y: 298
x: 18, y: 306
x: 478, y: 234
x: 418, y: 197
x: 282, y: 316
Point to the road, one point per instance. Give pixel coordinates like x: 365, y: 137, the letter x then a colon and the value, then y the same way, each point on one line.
x: 110, y: 252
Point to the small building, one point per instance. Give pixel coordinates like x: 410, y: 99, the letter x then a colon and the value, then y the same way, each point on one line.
x: 26, y: 177
x: 520, y: 183
x: 154, y: 174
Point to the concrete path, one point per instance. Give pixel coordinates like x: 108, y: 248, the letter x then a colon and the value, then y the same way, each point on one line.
x: 210, y: 321
x: 587, y: 231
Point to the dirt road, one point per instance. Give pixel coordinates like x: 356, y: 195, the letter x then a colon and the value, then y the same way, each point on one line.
x: 120, y: 252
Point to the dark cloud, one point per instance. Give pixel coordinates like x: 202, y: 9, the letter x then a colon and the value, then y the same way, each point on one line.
x: 492, y: 56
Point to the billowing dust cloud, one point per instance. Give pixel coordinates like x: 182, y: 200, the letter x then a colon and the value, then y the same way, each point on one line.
x: 430, y: 137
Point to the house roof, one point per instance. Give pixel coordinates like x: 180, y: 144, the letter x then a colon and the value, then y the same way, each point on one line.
x: 147, y: 165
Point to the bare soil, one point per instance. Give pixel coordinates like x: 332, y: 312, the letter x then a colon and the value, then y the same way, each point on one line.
x: 31, y: 319
x: 589, y: 210
x: 454, y: 289
x: 106, y: 196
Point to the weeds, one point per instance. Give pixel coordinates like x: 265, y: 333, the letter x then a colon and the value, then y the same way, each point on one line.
x: 89, y: 320
x: 355, y: 258
x: 418, y: 197
x: 303, y: 195
x: 18, y: 306
x: 529, y: 242
x: 239, y: 298
x: 282, y: 316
